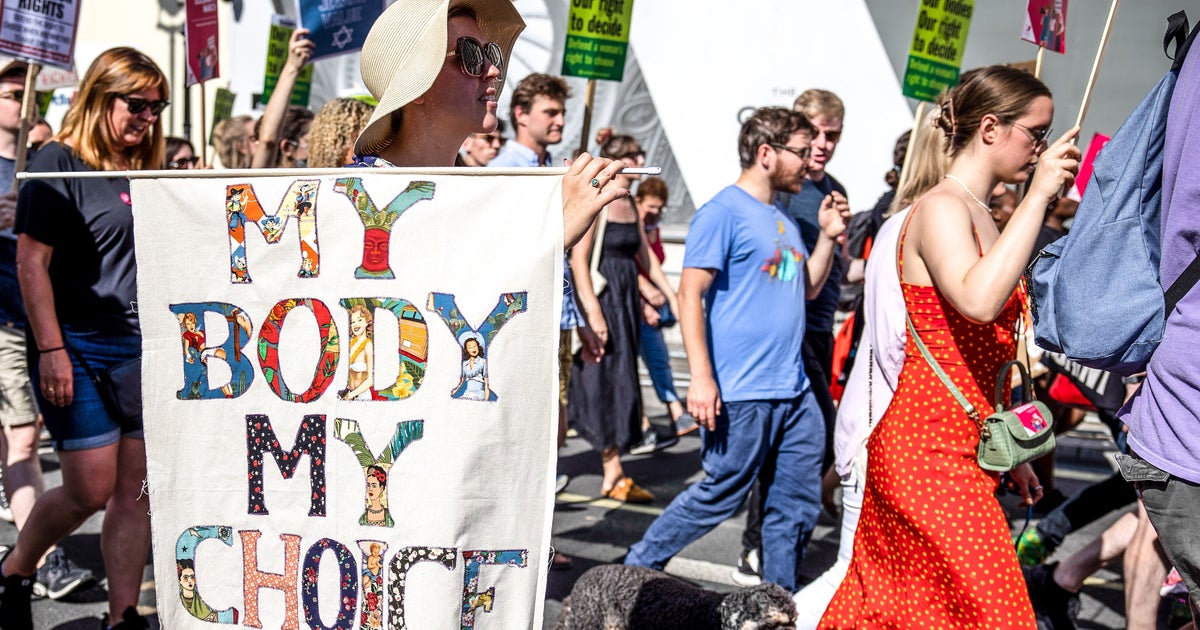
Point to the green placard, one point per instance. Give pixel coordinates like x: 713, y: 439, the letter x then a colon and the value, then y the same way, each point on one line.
x: 277, y: 51
x: 597, y: 39
x: 935, y: 57
x: 222, y: 109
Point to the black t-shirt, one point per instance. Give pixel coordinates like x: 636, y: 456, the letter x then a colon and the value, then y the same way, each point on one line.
x: 89, y: 223
x: 804, y: 206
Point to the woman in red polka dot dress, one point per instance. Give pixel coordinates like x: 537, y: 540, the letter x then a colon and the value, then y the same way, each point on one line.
x: 933, y: 549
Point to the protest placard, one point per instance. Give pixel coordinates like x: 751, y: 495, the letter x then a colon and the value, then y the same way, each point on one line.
x: 337, y: 27
x: 350, y: 391
x: 42, y: 32
x: 597, y: 39
x: 277, y: 52
x: 1046, y: 24
x: 200, y: 34
x: 939, y: 39
x: 1089, y: 161
x: 222, y: 109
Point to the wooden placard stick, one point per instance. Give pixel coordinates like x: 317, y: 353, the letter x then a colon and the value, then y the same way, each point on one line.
x: 1087, y: 91
x: 28, y: 107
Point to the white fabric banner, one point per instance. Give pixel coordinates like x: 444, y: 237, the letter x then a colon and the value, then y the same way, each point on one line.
x: 350, y: 397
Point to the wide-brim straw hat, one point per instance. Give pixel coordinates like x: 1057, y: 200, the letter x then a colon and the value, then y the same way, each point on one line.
x: 405, y: 51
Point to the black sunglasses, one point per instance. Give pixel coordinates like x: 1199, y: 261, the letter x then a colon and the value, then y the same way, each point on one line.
x: 138, y: 104
x: 472, y: 54
x: 190, y: 162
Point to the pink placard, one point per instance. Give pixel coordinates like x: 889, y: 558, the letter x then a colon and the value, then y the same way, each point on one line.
x: 1046, y: 24
x: 201, y: 33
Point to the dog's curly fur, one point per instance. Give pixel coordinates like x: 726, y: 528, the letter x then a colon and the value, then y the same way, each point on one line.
x: 620, y: 597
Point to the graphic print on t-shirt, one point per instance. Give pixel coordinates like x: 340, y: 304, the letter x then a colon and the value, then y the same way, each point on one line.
x: 785, y: 262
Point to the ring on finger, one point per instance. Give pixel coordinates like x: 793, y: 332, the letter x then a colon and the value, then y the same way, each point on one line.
x: 595, y: 183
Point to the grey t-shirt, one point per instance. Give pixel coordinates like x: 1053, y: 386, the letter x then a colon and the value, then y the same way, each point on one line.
x: 89, y: 223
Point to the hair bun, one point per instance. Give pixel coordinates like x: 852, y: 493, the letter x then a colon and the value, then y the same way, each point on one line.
x: 944, y: 117
x: 604, y: 134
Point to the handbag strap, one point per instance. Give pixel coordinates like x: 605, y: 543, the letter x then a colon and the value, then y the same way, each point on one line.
x: 92, y: 375
x: 972, y: 412
x: 1002, y: 381
x: 598, y: 241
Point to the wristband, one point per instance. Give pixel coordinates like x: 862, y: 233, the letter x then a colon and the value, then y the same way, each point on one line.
x: 49, y: 350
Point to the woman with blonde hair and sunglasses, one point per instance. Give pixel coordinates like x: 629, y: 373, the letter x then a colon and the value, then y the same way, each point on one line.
x: 79, y: 280
x: 437, y: 86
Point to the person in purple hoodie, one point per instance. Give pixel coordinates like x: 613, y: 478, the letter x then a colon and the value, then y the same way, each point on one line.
x: 1164, y: 415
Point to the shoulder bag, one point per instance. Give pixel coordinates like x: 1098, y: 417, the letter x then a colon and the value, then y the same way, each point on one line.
x: 1009, y: 437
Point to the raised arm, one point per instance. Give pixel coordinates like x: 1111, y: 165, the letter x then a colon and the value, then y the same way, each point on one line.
x: 266, y: 155
x: 833, y: 217
x: 979, y: 286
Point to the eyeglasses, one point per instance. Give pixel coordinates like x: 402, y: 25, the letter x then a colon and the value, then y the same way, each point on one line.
x: 803, y: 154
x: 15, y: 95
x: 138, y: 104
x: 188, y: 162
x: 472, y: 54
x: 633, y: 156
x: 1039, y: 138
x: 297, y: 144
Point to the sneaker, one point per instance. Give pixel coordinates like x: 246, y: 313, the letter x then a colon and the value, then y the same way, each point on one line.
x: 560, y: 483
x: 1054, y: 607
x: 685, y: 424
x: 16, y: 591
x: 58, y: 576
x: 130, y: 620
x: 749, y: 569
x: 1031, y: 551
x: 651, y: 443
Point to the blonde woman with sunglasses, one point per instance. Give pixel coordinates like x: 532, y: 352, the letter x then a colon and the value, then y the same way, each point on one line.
x: 78, y: 278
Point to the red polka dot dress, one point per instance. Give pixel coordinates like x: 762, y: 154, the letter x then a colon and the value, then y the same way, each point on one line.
x: 933, y: 549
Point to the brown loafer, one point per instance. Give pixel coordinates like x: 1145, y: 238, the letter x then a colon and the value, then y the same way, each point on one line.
x: 629, y: 492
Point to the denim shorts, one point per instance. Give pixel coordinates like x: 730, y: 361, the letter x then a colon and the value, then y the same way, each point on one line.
x: 86, y: 423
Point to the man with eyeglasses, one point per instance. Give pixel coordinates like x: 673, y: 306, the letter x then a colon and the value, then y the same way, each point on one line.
x: 57, y: 576
x: 825, y: 111
x: 746, y: 276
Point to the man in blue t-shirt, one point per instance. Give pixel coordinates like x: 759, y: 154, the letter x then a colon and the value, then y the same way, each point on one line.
x: 825, y: 111
x: 745, y: 279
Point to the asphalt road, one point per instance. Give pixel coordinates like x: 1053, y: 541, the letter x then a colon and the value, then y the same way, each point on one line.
x: 595, y: 531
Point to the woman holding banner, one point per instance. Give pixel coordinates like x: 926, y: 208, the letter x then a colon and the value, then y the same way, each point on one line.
x: 933, y: 547
x: 437, y: 86
x: 78, y: 278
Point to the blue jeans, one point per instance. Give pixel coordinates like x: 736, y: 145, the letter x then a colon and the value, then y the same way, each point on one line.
x: 780, y: 442
x: 658, y: 363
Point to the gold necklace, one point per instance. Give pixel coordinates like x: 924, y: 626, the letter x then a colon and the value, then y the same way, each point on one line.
x: 964, y: 187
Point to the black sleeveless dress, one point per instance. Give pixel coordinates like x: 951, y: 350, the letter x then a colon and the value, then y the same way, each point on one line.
x: 604, y: 401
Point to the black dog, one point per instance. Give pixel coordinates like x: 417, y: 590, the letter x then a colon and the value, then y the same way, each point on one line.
x: 620, y: 597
